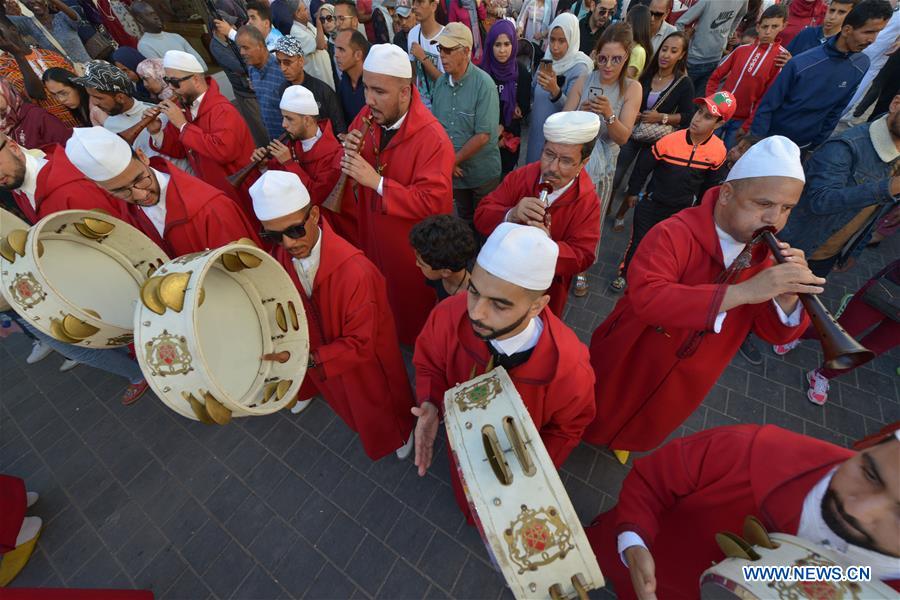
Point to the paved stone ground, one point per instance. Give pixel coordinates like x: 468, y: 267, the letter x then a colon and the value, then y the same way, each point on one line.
x: 280, y: 506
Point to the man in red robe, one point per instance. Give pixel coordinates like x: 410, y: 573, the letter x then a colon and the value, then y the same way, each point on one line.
x: 210, y: 132
x: 43, y: 182
x: 177, y: 211
x: 402, y: 169
x: 355, y: 360
x: 314, y: 154
x: 697, y: 287
x: 504, y: 320
x: 571, y: 211
x: 18, y: 533
x: 675, y: 500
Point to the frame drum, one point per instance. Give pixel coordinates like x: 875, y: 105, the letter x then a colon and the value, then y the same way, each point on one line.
x: 520, y: 506
x: 203, y: 324
x: 76, y: 275
x: 8, y: 222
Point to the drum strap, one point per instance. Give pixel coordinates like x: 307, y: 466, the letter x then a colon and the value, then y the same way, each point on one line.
x: 508, y: 361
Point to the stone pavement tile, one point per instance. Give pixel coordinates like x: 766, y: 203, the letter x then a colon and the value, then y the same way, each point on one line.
x: 287, y: 498
x: 27, y: 463
x: 60, y: 529
x: 380, y: 513
x: 443, y: 560
x: 259, y: 584
x: 890, y: 409
x: 188, y: 587
x: 121, y: 525
x: 765, y: 390
x: 717, y: 398
x: 744, y: 409
x: 187, y: 520
x: 353, y: 491
x: 436, y: 593
x: 876, y: 383
x: 716, y: 419
x: 244, y: 458
x: 273, y: 543
x: 585, y: 499
x: 74, y: 554
x: 403, y: 583
x: 297, y: 570
x: 410, y: 536
x: 249, y: 519
x: 478, y: 580
x: 191, y: 453
x: 336, y: 436
x: 388, y: 472
x: 226, y: 573
x: 165, y: 568
x: 205, y: 477
x: 109, y: 500
x: 443, y: 510
x: 314, y: 516
x: 84, y: 414
x: 54, y: 429
x: 325, y: 474
x: 370, y: 565
x: 316, y: 418
x: 143, y: 486
x: 859, y: 400
x: 416, y: 492
x: 301, y: 457
x: 734, y: 379
x: 330, y: 584
x: 469, y: 537
x: 785, y: 374
x: 697, y: 418
x: 101, y: 571
x: 851, y: 424
x: 264, y: 479
x: 206, y: 546
x: 281, y: 436
x: 130, y: 462
x: 341, y: 539
x: 258, y: 427
x: 90, y: 485
x: 822, y: 433
x: 38, y: 569
x: 580, y: 462
x: 783, y: 419
x: 608, y: 474
x: 797, y: 403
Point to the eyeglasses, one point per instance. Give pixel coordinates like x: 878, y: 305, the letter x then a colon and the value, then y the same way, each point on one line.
x: 326, y: 19
x: 126, y: 192
x: 342, y: 18
x: 605, y: 11
x: 613, y: 60
x: 445, y: 50
x: 176, y: 81
x: 657, y: 15
x: 564, y: 161
x: 61, y: 95
x: 295, y: 232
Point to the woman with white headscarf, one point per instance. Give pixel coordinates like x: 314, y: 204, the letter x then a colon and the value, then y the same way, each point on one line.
x: 563, y: 64
x: 315, y: 50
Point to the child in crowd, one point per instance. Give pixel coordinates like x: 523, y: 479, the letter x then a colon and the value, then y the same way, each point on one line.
x: 445, y: 249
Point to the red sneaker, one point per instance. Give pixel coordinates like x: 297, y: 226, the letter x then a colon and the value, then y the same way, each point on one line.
x: 818, y: 387
x: 134, y: 392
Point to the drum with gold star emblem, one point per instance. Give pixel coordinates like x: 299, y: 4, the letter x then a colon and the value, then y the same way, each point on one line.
x: 8, y: 222
x: 204, y: 323
x: 76, y: 275
x: 519, y: 503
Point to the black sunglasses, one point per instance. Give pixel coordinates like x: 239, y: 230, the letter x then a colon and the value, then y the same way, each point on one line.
x: 326, y: 19
x: 176, y: 81
x: 295, y: 232
x: 658, y: 15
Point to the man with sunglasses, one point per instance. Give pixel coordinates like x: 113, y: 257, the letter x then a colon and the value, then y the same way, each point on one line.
x: 355, y: 361
x: 659, y: 27
x: 593, y: 24
x: 503, y: 321
x: 203, y: 127
x: 179, y: 212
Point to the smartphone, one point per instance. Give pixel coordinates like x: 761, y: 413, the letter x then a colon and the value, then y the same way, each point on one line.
x: 546, y: 65
x: 594, y: 92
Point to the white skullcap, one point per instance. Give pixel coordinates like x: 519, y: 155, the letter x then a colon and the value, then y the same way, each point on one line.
x: 571, y: 127
x: 388, y: 59
x: 774, y: 156
x: 278, y: 193
x: 182, y: 61
x: 520, y: 254
x: 298, y: 99
x: 98, y: 153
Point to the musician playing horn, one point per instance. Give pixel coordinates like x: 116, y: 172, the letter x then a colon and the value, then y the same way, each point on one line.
x: 502, y: 321
x: 203, y: 127
x: 697, y: 287
x: 403, y: 174
x: 313, y: 153
x: 571, y: 211
x: 660, y: 536
x: 355, y: 360
x: 178, y: 211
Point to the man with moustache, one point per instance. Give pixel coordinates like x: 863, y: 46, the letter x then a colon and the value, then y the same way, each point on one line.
x: 402, y: 172
x: 203, y: 126
x: 593, y: 24
x: 289, y: 54
x: 571, y: 214
x: 179, y: 212
x: 350, y: 51
x: 355, y: 361
x: 503, y: 321
x: 683, y: 494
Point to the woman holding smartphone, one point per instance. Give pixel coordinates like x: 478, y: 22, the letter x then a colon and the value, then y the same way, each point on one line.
x: 608, y: 92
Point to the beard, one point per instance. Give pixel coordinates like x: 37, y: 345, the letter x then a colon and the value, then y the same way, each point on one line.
x: 17, y: 175
x: 495, y: 333
x: 117, y: 109
x: 836, y: 518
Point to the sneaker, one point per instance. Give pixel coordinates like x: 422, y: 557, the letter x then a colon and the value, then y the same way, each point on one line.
x: 300, y: 406
x: 134, y: 392
x: 68, y: 365
x: 619, y: 225
x: 31, y: 526
x: 581, y: 285
x: 39, y: 351
x: 618, y: 284
x: 818, y: 387
x: 782, y: 349
x: 405, y: 450
x: 31, y: 498
x: 750, y: 352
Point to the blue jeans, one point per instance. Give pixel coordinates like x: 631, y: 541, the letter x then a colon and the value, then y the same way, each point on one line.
x: 728, y: 131
x: 114, y: 361
x: 699, y: 75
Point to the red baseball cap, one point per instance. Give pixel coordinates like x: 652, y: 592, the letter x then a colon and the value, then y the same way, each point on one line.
x: 721, y: 104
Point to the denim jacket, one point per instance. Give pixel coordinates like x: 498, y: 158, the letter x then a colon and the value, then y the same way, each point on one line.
x: 845, y: 175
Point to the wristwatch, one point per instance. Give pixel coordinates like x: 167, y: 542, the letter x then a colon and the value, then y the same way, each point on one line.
x: 665, y: 119
x: 611, y: 119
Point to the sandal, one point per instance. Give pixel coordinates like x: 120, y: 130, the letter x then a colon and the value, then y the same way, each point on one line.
x: 618, y: 284
x: 134, y: 392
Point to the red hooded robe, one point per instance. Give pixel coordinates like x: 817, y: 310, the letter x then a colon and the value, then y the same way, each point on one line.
x: 417, y: 166
x: 646, y: 391
x: 12, y: 511
x: 680, y: 496
x: 359, y: 369
x: 574, y: 223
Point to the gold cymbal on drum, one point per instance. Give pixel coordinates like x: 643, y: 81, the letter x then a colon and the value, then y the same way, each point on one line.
x: 199, y: 410
x: 78, y: 329
x: 57, y: 331
x: 280, y: 317
x: 295, y: 320
x: 269, y: 391
x: 172, y: 289
x: 6, y: 250
x: 150, y: 295
x: 251, y: 261
x: 86, y: 231
x: 282, y: 388
x: 216, y: 410
x: 98, y: 227
x: 16, y: 240
x: 246, y: 241
x: 232, y: 263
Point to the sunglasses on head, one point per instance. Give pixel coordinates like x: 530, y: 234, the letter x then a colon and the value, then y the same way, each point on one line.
x: 176, y: 81
x: 295, y: 232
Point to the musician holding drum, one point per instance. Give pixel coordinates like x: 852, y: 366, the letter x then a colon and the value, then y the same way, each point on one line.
x: 355, y: 360
x: 203, y: 127
x: 660, y: 536
x: 570, y: 212
x: 697, y: 287
x: 179, y: 212
x: 502, y: 321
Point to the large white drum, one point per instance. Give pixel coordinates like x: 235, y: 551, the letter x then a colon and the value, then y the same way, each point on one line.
x: 203, y: 324
x: 8, y: 222
x: 725, y: 580
x: 76, y: 275
x: 519, y: 503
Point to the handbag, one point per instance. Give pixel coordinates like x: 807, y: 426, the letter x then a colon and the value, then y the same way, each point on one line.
x: 884, y: 296
x: 99, y: 46
x: 648, y: 133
